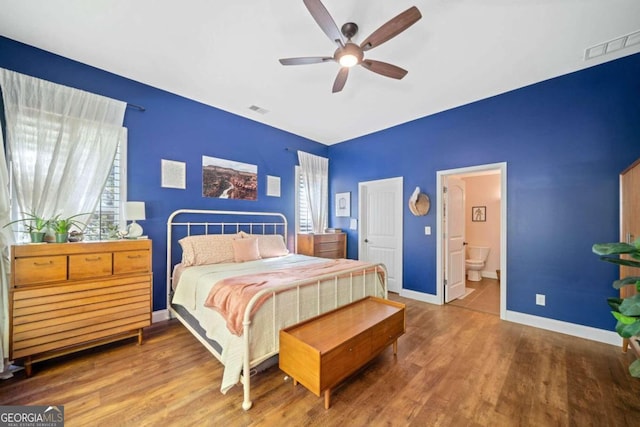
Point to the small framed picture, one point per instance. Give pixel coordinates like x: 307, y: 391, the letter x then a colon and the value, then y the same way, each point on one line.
x: 479, y: 213
x: 343, y: 204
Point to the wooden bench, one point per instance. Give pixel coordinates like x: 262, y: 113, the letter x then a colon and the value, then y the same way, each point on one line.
x: 321, y: 352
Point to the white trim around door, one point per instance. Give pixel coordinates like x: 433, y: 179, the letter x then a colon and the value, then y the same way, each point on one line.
x: 502, y: 167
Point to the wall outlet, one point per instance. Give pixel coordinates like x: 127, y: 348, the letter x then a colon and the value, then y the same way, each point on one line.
x: 540, y: 299
x: 427, y: 230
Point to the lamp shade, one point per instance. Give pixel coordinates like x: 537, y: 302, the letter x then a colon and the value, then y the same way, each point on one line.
x: 134, y: 211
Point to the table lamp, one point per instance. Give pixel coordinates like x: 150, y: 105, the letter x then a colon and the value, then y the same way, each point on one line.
x: 134, y: 211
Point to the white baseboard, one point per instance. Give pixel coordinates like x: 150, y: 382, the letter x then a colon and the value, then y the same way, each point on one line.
x: 573, y: 329
x: 489, y: 274
x: 419, y: 296
x: 581, y: 331
x: 160, y: 315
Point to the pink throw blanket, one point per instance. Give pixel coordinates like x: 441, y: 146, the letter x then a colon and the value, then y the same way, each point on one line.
x: 230, y: 297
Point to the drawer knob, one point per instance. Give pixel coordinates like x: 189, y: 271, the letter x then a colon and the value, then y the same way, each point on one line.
x: 134, y: 256
x: 40, y: 264
x: 93, y: 259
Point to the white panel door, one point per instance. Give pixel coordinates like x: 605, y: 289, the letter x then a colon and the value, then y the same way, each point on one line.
x: 454, y: 240
x: 380, y: 237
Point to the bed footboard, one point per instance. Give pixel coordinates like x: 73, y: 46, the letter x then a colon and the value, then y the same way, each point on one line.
x: 308, y: 298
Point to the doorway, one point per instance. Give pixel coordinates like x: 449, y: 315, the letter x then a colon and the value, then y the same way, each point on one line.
x: 443, y: 215
x: 380, y: 219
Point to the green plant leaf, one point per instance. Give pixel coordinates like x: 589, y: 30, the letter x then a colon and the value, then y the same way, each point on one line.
x: 614, y: 303
x: 613, y: 248
x: 628, y: 331
x: 630, y: 306
x: 620, y: 261
x: 631, y: 280
x: 626, y: 320
x: 634, y: 368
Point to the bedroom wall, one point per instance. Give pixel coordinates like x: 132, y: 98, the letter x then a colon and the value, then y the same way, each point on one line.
x: 564, y: 140
x: 175, y: 128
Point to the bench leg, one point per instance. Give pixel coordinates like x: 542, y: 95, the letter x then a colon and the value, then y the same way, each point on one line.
x: 395, y: 347
x: 327, y: 398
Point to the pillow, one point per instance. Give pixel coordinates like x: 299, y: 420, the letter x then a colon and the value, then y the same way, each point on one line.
x: 272, y: 245
x: 207, y: 249
x: 245, y: 249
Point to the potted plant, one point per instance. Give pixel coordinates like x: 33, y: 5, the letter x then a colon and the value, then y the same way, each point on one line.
x: 61, y: 226
x: 35, y: 225
x: 625, y: 310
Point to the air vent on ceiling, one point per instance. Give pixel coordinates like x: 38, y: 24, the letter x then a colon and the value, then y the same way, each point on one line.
x: 258, y: 109
x: 612, y: 45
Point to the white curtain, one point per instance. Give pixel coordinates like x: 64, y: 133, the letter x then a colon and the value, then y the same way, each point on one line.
x: 60, y: 142
x: 6, y: 240
x: 315, y: 176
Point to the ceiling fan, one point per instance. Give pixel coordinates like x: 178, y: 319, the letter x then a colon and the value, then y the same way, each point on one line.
x: 348, y: 53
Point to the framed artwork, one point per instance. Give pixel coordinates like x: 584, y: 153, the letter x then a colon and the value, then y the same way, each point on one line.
x: 343, y: 204
x: 173, y: 174
x: 227, y: 179
x: 479, y: 213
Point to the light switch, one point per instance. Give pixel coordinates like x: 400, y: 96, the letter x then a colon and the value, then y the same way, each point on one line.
x: 427, y: 230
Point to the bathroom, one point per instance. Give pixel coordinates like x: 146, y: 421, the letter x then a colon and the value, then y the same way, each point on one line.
x: 482, y: 229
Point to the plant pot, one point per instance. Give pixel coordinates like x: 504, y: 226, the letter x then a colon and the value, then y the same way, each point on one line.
x: 62, y: 237
x: 37, y: 236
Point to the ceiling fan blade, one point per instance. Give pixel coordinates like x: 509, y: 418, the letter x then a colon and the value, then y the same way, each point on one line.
x: 324, y: 20
x: 306, y: 60
x: 341, y: 79
x: 392, y: 28
x: 383, y: 68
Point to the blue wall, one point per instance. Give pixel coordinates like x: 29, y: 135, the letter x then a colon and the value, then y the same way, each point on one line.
x: 564, y: 140
x: 175, y: 128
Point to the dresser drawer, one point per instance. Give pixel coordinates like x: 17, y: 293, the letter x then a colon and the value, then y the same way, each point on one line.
x: 329, y: 245
x: 28, y: 271
x: 329, y: 238
x: 131, y: 262
x: 86, y: 266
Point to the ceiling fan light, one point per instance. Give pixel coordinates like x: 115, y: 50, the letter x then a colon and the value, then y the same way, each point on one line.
x: 348, y: 60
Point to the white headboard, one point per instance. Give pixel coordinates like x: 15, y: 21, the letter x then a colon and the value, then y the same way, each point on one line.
x: 189, y: 222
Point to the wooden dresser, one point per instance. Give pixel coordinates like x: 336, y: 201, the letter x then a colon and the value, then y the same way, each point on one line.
x: 321, y: 352
x: 329, y: 245
x: 66, y: 297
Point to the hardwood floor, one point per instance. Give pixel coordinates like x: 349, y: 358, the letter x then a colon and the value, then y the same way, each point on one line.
x: 455, y: 367
x: 485, y: 296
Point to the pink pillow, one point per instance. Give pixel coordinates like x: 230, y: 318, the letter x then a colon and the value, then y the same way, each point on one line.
x: 269, y: 245
x: 207, y: 249
x: 245, y: 250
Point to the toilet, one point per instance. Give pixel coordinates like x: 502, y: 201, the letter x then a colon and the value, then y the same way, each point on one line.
x: 476, y: 257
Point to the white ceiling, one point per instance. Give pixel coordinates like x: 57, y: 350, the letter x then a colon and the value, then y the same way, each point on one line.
x: 225, y: 53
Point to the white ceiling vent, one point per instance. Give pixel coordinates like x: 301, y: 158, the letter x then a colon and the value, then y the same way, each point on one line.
x: 258, y: 109
x: 612, y: 45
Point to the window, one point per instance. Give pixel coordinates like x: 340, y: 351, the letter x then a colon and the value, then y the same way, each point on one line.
x: 303, y: 215
x: 108, y: 211
x: 108, y: 214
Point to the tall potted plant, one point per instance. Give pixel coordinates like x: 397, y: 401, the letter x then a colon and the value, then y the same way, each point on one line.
x: 35, y: 225
x: 61, y: 226
x: 625, y: 310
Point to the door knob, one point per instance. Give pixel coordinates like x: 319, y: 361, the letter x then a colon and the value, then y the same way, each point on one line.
x: 366, y: 240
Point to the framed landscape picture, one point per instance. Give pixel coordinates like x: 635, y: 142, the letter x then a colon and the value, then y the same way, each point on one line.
x: 227, y: 179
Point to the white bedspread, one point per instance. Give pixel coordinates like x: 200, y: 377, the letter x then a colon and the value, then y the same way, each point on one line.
x: 196, y: 282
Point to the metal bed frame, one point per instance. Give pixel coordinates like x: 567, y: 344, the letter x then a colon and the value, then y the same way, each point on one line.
x: 279, y: 226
